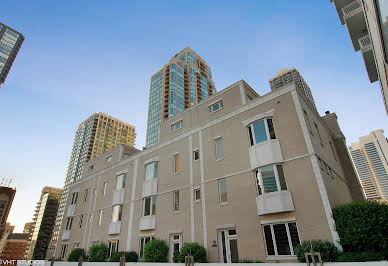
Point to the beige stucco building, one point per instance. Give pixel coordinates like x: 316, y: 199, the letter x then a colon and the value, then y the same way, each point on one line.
x: 246, y: 176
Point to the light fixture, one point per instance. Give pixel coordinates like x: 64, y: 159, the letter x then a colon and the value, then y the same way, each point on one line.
x: 214, y: 244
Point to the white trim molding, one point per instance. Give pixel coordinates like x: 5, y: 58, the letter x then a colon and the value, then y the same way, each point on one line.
x: 155, y: 159
x: 283, y: 220
x: 266, y: 114
x: 125, y: 171
x: 225, y: 226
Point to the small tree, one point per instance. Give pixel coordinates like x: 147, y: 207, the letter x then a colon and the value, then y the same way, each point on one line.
x: 195, y: 249
x: 98, y: 252
x: 75, y: 254
x: 156, y: 250
x: 328, y: 250
x: 130, y: 256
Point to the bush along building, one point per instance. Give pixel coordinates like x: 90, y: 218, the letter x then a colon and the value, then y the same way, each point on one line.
x: 243, y: 175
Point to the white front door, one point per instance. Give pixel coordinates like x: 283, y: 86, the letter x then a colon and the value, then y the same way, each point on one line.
x: 175, y: 245
x: 227, y: 243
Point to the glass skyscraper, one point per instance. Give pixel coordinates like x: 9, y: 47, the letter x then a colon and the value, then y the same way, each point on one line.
x: 184, y: 81
x: 10, y: 43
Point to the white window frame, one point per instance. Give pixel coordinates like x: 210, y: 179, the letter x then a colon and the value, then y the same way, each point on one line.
x: 153, y: 198
x: 155, y: 174
x: 120, y: 217
x: 176, y: 194
x: 69, y: 223
x: 222, y: 146
x: 104, y: 189
x: 250, y: 127
x: 108, y: 159
x: 123, y: 181
x: 63, y: 251
x: 142, y: 243
x: 196, y: 151
x: 175, y: 241
x: 75, y: 244
x: 220, y: 105
x: 195, y: 197
x: 176, y: 156
x: 177, y: 125
x: 74, y: 197
x: 111, y: 251
x: 219, y: 191
x: 275, y: 169
x: 274, y: 240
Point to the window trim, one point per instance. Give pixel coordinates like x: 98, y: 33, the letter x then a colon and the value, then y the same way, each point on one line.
x: 176, y: 193
x: 99, y: 221
x: 153, y: 198
x: 108, y: 158
x: 211, y: 109
x: 274, y: 239
x: 104, y: 188
x: 120, y: 214
x: 275, y: 170
x: 141, y: 245
x: 155, y: 175
x: 194, y: 191
x: 195, y: 151
x: 176, y: 157
x: 219, y: 191
x: 222, y: 145
x: 174, y: 126
x: 251, y: 131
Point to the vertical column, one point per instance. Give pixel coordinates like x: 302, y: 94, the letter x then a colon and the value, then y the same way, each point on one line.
x: 203, y: 201
x: 191, y: 189
x: 132, y: 205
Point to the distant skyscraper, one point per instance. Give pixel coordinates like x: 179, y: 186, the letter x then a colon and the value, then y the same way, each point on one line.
x: 94, y: 136
x: 182, y: 82
x: 370, y: 156
x: 10, y: 43
x: 286, y: 76
x: 44, y: 220
x: 6, y: 198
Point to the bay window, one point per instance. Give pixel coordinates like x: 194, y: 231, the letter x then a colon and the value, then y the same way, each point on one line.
x: 261, y: 131
x: 270, y: 179
x: 149, y: 206
x: 151, y: 171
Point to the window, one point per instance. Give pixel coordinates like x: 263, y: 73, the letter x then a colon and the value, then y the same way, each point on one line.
x: 177, y: 125
x: 108, y: 159
x: 113, y: 247
x: 219, y: 149
x: 281, y: 239
x: 99, y: 217
x: 143, y: 242
x: 149, y: 207
x: 74, y: 197
x: 319, y: 135
x: 116, y: 213
x: 216, y: 106
x: 80, y: 220
x: 121, y: 181
x: 63, y: 251
x: 104, y: 189
x: 175, y: 244
x: 270, y: 179
x: 151, y: 171
x: 196, y: 155
x: 176, y: 201
x: 332, y: 150
x: 223, y: 194
x: 306, y: 117
x: 261, y: 131
x: 176, y: 163
x: 86, y: 194
x: 91, y: 167
x: 197, y: 194
x: 75, y: 245
x: 69, y: 222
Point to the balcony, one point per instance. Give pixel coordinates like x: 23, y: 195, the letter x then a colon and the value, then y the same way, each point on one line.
x: 114, y: 228
x: 369, y: 60
x: 150, y: 188
x: 118, y: 197
x: 70, y: 210
x: 274, y: 202
x: 265, y: 153
x: 147, y: 223
x: 65, y: 235
x: 353, y: 15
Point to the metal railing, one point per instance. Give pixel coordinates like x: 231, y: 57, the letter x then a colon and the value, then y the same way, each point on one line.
x: 353, y: 6
x: 364, y: 42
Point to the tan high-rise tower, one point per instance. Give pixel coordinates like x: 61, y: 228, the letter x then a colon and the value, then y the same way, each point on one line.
x: 183, y: 82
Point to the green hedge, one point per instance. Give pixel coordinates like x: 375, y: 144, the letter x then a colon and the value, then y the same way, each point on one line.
x: 362, y: 226
x: 156, y: 250
x: 360, y: 256
x: 129, y: 256
x: 198, y: 252
x: 328, y: 250
x: 98, y: 252
x: 75, y: 254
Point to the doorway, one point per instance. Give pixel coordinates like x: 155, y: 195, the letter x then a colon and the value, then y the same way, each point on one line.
x: 227, y: 242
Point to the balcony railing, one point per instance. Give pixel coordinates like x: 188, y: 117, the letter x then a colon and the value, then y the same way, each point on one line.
x: 365, y: 42
x: 353, y: 6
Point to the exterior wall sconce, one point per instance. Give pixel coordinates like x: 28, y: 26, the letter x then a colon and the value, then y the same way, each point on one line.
x: 214, y: 244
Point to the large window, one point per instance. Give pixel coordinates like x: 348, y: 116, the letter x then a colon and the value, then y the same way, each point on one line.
x: 116, y: 213
x: 382, y: 7
x: 281, y: 239
x: 151, y: 171
x: 143, y: 242
x: 69, y: 223
x: 223, y: 192
x: 121, y: 181
x: 113, y: 247
x: 219, y: 149
x: 270, y: 179
x: 63, y: 251
x: 261, y: 131
x: 176, y: 201
x: 74, y: 197
x: 149, y: 207
x: 177, y: 125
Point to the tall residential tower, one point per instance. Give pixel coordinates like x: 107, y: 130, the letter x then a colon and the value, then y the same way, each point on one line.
x: 10, y: 43
x: 94, y: 136
x: 370, y: 156
x: 183, y: 82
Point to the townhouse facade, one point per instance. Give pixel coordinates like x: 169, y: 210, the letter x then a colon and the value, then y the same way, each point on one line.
x: 246, y: 176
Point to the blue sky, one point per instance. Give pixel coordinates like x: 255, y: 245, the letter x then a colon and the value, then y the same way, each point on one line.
x: 81, y: 57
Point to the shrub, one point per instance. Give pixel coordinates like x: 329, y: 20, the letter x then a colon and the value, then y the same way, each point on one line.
x: 156, y: 250
x: 130, y: 256
x: 75, y: 254
x: 198, y: 252
x: 360, y: 256
x: 327, y: 249
x: 98, y: 252
x: 362, y: 226
x: 175, y: 256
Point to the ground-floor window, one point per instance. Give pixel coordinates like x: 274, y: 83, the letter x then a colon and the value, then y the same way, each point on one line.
x: 113, y: 247
x: 281, y: 239
x: 227, y: 243
x: 63, y: 251
x: 143, y: 241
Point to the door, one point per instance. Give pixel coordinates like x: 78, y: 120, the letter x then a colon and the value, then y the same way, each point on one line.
x: 175, y: 245
x: 227, y: 243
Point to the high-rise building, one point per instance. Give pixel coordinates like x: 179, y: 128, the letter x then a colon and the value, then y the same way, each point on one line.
x: 183, y: 82
x: 370, y: 157
x: 244, y: 175
x: 15, y: 247
x: 28, y: 228
x: 367, y: 23
x: 10, y: 43
x: 44, y: 220
x: 287, y: 76
x: 94, y: 136
x: 8, y: 230
x: 7, y: 195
